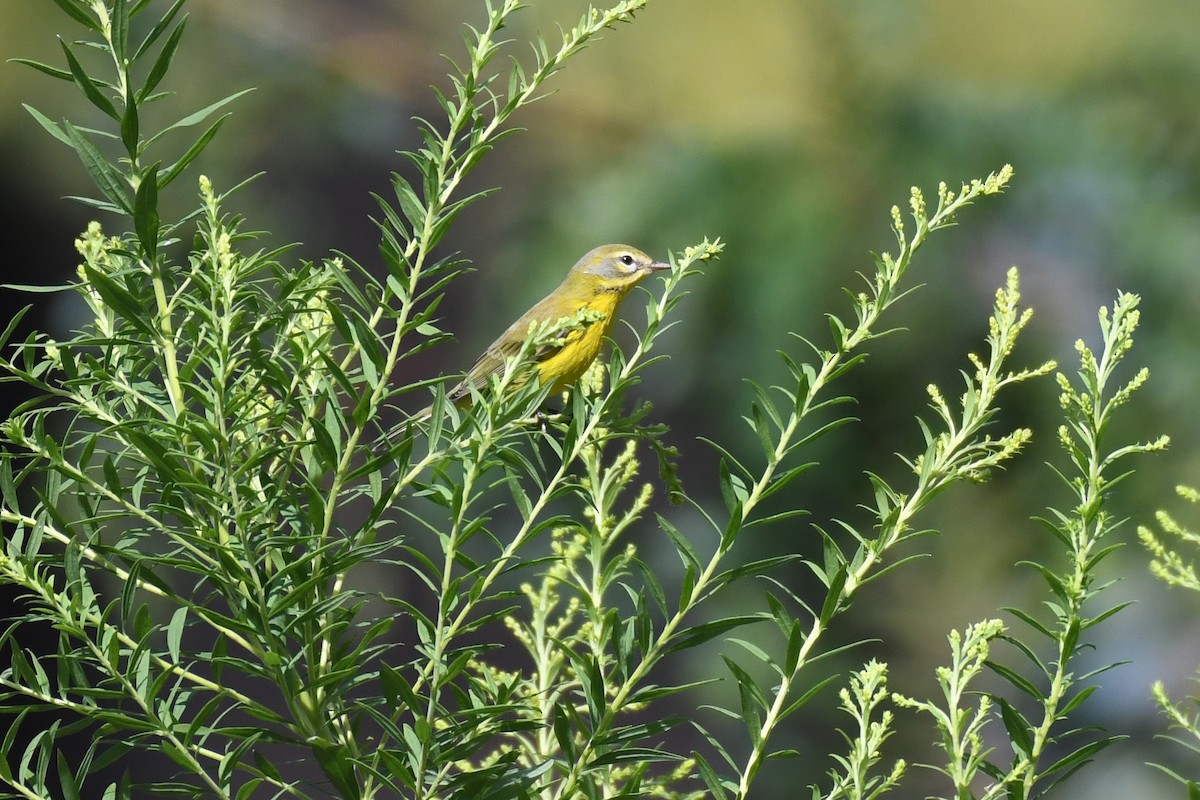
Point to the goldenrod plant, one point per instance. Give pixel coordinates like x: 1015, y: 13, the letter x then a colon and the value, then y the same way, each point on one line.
x: 217, y: 457
x: 1177, y: 570
x: 1045, y: 676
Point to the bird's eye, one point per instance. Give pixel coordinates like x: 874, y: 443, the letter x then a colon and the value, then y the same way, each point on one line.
x: 627, y: 260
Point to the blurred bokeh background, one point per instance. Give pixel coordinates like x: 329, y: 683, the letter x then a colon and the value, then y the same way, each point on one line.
x: 788, y: 128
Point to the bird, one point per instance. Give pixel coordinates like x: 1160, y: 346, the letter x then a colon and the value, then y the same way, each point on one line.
x: 597, y: 283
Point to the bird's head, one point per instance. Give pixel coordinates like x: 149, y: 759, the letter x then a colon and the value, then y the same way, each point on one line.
x: 615, y: 266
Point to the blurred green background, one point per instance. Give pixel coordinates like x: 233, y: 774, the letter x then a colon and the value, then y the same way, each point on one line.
x: 788, y: 128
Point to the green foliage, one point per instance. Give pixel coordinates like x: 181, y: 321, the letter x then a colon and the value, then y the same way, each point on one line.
x: 1174, y: 568
x: 1055, y: 688
x: 216, y: 460
x: 960, y: 726
x: 1049, y: 688
x: 853, y: 779
x: 1168, y: 564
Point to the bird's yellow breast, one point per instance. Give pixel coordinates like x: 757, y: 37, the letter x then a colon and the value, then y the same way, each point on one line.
x: 563, y: 367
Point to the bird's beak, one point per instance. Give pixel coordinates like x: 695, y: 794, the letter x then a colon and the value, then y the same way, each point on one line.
x: 657, y: 265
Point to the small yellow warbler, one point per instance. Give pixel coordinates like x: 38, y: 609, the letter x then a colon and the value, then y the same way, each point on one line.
x: 597, y: 283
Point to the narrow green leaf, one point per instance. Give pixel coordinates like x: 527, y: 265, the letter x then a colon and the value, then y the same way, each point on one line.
x: 782, y: 479
x: 410, y: 204
x: 839, y: 331
x: 397, y: 690
x: 119, y: 300
x: 163, y: 62
x: 66, y: 779
x: 78, y: 11
x: 175, y: 629
x: 53, y: 72
x: 753, y: 701
x: 337, y: 764
x: 172, y: 172
x: 733, y: 488
x: 1077, y: 700
x: 563, y: 732
x: 682, y: 545
x: 834, y: 599
x: 702, y: 632
x: 145, y: 212
x: 157, y: 31
x: 130, y: 129
x: 1029, y: 620
x: 1070, y: 637
x: 98, y: 204
x: 1055, y: 583
x: 757, y: 568
x: 1017, y: 727
x: 808, y: 695
x: 592, y: 682
x: 638, y: 754
x: 249, y: 788
x: 6, y: 746
x: 199, y: 116
x: 104, y: 174
x: 119, y: 27
x: 796, y: 637
x: 711, y: 779
x: 686, y: 586
x: 733, y: 527
x: 1016, y: 679
x: 1081, y: 756
x: 87, y: 85
x: 51, y: 127
x: 1096, y: 620
x: 758, y: 422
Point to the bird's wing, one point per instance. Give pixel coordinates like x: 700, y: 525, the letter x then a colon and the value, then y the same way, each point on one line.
x: 491, y: 361
x: 506, y: 346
